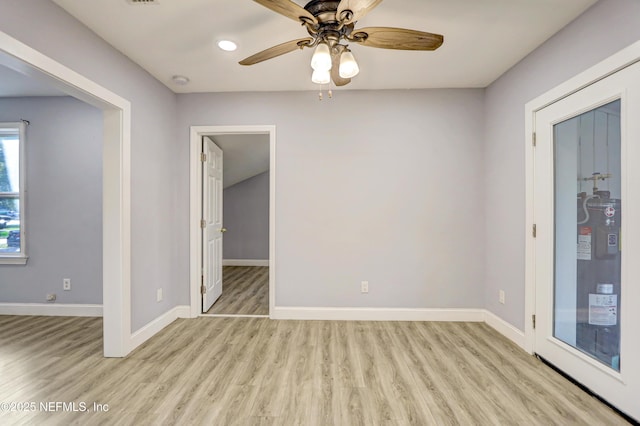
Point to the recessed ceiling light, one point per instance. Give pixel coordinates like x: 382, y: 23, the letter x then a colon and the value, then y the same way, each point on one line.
x: 227, y: 45
x: 180, y: 80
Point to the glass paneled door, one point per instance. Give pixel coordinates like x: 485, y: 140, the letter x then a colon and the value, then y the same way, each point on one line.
x: 586, y: 210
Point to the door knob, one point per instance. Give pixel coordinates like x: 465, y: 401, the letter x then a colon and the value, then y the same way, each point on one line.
x: 223, y: 229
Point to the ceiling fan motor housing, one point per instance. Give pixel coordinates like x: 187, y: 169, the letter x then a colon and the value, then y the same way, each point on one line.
x: 330, y: 28
x: 318, y: 8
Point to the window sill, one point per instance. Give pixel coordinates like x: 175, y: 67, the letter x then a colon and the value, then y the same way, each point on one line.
x: 13, y: 260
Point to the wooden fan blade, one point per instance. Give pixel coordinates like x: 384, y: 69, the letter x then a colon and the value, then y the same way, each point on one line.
x: 288, y: 9
x: 397, y: 38
x: 278, y: 50
x: 352, y: 10
x: 335, y: 67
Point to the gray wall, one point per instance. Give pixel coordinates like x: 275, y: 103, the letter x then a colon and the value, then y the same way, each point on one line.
x: 604, y: 29
x: 391, y: 192
x: 154, y: 146
x: 396, y: 192
x: 246, y: 218
x: 64, y: 201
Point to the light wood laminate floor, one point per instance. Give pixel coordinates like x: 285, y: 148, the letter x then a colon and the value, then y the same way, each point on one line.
x: 245, y: 291
x: 256, y: 371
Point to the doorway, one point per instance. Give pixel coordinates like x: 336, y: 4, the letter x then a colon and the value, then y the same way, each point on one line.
x: 117, y: 341
x: 250, y: 279
x: 583, y: 202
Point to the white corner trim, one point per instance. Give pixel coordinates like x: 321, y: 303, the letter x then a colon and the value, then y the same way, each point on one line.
x: 245, y: 262
x: 51, y: 309
x: 512, y: 333
x: 155, y: 326
x: 377, y: 314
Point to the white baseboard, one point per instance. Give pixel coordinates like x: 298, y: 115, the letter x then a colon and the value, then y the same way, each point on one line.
x: 507, y: 330
x: 155, y: 326
x: 401, y: 314
x: 377, y: 314
x: 282, y: 313
x: 245, y: 262
x: 51, y: 309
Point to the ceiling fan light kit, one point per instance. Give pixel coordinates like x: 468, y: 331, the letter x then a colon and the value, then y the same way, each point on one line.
x: 321, y: 77
x: 321, y: 59
x: 348, y: 65
x: 331, y: 26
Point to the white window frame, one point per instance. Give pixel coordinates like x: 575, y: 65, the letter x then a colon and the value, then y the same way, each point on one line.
x: 21, y: 257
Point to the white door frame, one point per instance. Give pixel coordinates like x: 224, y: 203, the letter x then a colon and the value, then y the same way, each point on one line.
x: 195, y: 207
x: 603, y: 69
x: 116, y: 187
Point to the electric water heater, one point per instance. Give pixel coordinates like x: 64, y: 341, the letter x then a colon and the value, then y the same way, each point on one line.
x: 598, y: 275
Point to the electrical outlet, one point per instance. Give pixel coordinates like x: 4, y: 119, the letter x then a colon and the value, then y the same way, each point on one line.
x: 501, y: 296
x: 51, y: 297
x: 159, y: 295
x: 364, y: 287
x: 66, y: 284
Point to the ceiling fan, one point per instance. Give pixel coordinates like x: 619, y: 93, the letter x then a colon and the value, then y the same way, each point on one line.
x: 331, y: 25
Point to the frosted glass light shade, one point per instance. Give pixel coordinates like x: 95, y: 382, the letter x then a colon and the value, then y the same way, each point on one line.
x: 348, y: 65
x: 321, y: 60
x: 321, y: 77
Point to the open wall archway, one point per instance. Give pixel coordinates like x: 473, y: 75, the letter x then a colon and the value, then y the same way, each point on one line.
x: 116, y: 182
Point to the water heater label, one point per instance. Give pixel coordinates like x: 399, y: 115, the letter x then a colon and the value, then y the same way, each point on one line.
x: 603, y: 309
x: 609, y: 211
x: 584, y: 243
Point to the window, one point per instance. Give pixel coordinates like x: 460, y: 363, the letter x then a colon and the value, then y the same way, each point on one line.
x: 12, y: 173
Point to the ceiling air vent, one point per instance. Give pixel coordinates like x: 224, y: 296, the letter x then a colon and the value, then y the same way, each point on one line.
x: 143, y: 1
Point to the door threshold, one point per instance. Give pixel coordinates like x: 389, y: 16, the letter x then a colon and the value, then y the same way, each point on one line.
x: 587, y: 390
x: 234, y: 316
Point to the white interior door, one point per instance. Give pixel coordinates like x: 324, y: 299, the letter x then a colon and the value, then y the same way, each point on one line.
x: 587, y: 205
x: 212, y: 229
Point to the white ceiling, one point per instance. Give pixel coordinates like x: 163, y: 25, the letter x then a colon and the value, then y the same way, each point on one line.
x: 482, y: 39
x: 245, y: 156
x: 15, y: 84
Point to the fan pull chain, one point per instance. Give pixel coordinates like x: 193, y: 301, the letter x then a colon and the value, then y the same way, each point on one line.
x: 329, y: 93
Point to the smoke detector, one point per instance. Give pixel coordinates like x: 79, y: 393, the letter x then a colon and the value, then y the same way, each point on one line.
x: 180, y: 80
x: 143, y: 1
